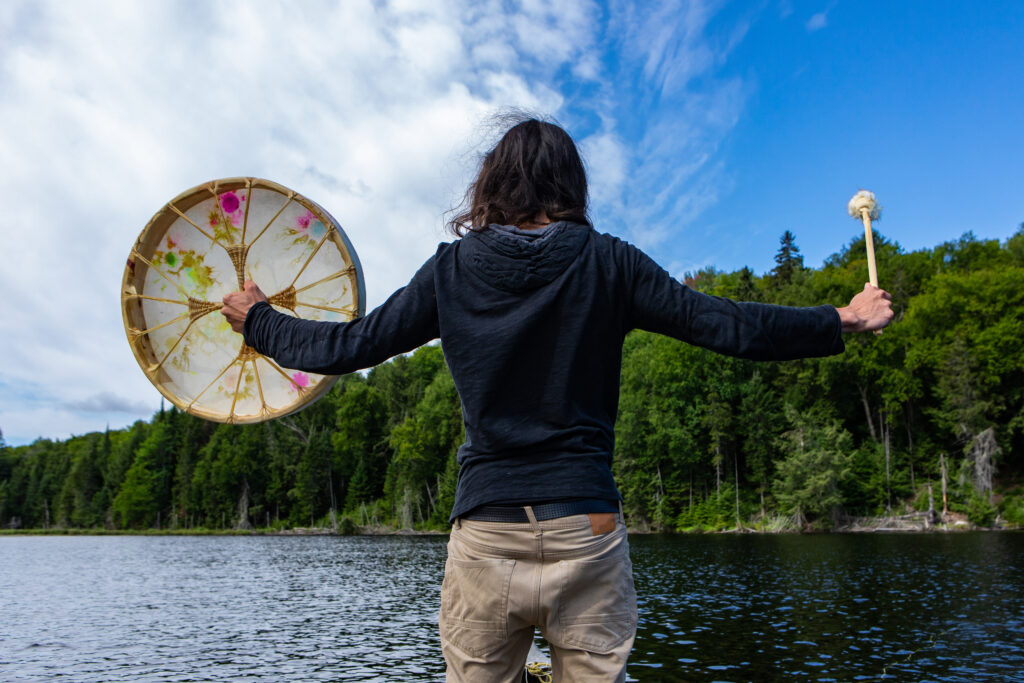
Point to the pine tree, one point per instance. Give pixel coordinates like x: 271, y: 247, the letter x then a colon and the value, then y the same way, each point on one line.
x: 746, y: 289
x: 788, y: 260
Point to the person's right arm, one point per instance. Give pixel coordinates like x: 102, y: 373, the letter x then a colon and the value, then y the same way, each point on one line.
x: 407, y: 320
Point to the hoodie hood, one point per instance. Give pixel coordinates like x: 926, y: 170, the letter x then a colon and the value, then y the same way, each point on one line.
x: 518, y: 262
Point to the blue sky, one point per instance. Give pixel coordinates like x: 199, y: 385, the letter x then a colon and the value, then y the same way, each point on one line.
x: 709, y: 128
x: 804, y: 103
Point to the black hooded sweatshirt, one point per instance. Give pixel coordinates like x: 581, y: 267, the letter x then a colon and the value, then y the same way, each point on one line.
x: 532, y: 330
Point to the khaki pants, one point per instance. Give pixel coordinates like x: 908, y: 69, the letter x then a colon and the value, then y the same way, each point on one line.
x: 503, y: 579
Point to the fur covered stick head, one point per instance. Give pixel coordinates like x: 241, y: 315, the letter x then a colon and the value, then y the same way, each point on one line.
x: 864, y: 200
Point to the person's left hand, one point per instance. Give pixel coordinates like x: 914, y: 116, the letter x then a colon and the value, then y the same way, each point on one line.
x: 237, y: 304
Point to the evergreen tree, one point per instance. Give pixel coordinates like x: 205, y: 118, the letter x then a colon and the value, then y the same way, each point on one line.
x: 422, y: 444
x: 140, y: 500
x: 360, y: 442
x: 746, y: 289
x: 809, y: 478
x: 761, y: 419
x: 788, y: 261
x: 6, y: 469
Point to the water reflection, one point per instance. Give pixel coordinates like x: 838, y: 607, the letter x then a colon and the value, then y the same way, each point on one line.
x: 713, y: 608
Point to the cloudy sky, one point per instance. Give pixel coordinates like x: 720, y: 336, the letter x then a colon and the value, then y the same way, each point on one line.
x: 708, y: 128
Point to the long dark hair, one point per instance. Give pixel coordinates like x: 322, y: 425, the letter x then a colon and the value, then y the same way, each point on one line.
x: 535, y: 167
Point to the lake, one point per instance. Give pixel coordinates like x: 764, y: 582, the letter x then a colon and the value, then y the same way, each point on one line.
x: 937, y: 607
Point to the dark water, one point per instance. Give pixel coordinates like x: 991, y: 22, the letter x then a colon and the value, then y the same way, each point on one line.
x: 831, y: 608
x: 712, y: 608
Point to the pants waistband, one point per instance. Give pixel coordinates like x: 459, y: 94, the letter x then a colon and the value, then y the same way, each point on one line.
x: 542, y: 512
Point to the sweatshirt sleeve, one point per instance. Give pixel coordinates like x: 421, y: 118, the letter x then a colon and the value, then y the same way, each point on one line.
x: 661, y: 304
x: 407, y: 320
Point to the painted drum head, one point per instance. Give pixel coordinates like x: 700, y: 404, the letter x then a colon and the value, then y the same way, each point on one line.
x: 203, y: 244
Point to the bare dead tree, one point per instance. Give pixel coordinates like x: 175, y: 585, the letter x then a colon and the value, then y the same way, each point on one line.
x: 884, y: 424
x: 330, y: 486
x: 981, y: 455
x: 302, y: 435
x: 736, y: 478
x: 867, y: 410
x: 243, y: 507
x: 945, y: 500
x: 430, y: 497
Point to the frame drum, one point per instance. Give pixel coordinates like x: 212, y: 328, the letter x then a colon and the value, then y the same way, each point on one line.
x: 205, y: 243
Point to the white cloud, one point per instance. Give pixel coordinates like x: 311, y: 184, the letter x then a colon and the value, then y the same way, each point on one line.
x: 817, y: 21
x: 607, y: 162
x: 115, y: 108
x: 372, y: 109
x: 107, y: 402
x: 673, y: 173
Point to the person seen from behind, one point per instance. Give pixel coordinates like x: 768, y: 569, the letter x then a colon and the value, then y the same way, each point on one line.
x: 532, y: 305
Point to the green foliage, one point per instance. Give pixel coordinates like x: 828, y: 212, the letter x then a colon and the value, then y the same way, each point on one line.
x: 698, y: 435
x: 714, y: 513
x: 346, y: 527
x: 1012, y: 510
x: 422, y: 445
x: 809, y: 478
x: 360, y: 438
x: 980, y: 511
x: 144, y: 492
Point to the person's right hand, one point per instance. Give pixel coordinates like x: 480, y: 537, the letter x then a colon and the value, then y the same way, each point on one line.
x: 868, y: 311
x: 237, y: 304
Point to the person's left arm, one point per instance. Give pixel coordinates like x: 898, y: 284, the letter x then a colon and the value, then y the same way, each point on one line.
x: 407, y: 320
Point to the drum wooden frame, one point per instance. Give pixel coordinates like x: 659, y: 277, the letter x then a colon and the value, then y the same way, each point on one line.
x: 205, y: 243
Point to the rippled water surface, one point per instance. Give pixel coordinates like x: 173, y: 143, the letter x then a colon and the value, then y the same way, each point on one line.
x: 831, y: 608
x: 712, y: 608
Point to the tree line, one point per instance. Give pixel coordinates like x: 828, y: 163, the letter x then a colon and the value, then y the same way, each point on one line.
x: 929, y: 414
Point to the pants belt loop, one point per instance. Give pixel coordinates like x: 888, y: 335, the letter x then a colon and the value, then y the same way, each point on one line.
x: 457, y: 524
x: 533, y: 520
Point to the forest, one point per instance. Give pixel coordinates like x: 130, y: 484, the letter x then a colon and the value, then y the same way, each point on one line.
x: 927, y: 415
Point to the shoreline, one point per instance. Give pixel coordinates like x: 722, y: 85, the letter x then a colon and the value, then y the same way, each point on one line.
x: 907, y: 524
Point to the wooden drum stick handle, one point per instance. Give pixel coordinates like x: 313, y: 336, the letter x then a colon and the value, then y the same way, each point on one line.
x: 869, y: 244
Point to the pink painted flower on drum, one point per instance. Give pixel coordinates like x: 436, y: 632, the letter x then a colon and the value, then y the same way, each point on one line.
x: 230, y: 380
x: 229, y: 202
x: 300, y: 380
x: 303, y: 221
